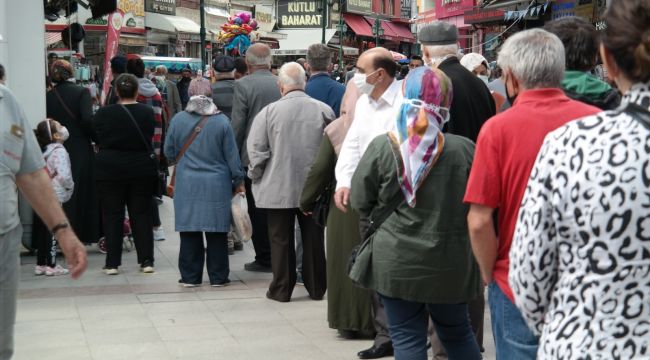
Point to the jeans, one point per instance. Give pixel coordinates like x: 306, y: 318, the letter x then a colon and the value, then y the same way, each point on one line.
x: 136, y: 195
x: 193, y: 256
x: 408, y: 320
x: 512, y: 337
x: 9, y: 275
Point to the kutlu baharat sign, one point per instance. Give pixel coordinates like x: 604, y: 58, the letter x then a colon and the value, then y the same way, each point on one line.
x: 299, y: 14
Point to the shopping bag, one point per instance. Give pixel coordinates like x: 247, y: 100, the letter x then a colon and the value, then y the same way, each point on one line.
x: 241, y: 222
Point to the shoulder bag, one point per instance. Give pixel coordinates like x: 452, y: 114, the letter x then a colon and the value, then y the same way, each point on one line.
x: 161, y: 180
x: 195, y: 132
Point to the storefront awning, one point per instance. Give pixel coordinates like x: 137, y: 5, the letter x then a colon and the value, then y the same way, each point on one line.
x: 403, y: 31
x: 358, y: 24
x: 52, y: 38
x: 217, y: 11
x: 298, y: 40
x: 172, y: 24
x: 389, y: 33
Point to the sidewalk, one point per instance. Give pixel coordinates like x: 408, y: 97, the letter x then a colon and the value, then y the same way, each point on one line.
x: 149, y: 316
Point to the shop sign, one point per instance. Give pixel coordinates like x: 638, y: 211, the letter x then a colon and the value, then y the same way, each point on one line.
x: 405, y: 9
x: 563, y: 8
x: 135, y: 7
x: 189, y: 37
x: 449, y: 8
x: 359, y: 6
x: 264, y: 17
x: 167, y: 7
x: 483, y: 16
x: 299, y: 14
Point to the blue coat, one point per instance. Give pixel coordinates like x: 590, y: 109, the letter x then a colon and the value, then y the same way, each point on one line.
x: 322, y: 88
x: 207, y: 173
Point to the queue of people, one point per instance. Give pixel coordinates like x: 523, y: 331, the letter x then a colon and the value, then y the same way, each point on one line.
x: 435, y: 187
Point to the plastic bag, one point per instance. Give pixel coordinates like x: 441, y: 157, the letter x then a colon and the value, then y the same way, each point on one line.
x: 241, y: 222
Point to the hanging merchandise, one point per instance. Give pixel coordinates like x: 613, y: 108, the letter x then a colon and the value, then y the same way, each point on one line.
x: 238, y: 34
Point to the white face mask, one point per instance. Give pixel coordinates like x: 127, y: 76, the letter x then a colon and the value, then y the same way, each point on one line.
x: 65, y: 135
x: 484, y: 78
x: 360, y: 81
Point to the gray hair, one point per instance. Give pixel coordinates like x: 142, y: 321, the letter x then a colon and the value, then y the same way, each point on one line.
x: 441, y: 50
x: 258, y: 55
x: 319, y: 57
x: 292, y: 74
x: 161, y: 69
x: 535, y: 57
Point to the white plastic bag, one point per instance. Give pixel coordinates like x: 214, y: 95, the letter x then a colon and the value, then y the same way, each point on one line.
x: 241, y: 222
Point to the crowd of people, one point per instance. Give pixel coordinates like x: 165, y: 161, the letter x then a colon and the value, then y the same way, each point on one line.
x: 423, y: 184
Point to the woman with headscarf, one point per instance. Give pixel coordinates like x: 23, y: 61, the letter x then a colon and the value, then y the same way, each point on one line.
x: 348, y: 307
x: 71, y: 106
x: 207, y: 175
x: 421, y: 261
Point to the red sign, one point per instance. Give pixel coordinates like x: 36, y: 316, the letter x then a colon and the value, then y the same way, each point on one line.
x: 482, y: 16
x: 449, y: 8
x: 115, y: 22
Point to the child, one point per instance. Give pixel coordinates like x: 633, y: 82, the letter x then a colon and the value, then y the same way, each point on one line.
x: 51, y: 135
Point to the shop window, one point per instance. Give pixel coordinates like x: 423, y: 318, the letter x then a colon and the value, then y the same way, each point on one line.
x: 391, y: 8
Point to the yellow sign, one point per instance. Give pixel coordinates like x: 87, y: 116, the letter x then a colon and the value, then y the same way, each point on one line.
x: 135, y: 7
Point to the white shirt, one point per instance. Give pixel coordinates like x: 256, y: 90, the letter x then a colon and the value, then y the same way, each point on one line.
x: 371, y: 119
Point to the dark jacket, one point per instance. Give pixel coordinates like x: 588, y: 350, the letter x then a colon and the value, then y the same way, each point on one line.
x: 222, y: 93
x: 322, y: 88
x: 183, y: 90
x: 586, y: 88
x: 472, y: 104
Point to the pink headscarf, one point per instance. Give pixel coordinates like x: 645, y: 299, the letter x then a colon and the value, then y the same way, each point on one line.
x: 338, y: 129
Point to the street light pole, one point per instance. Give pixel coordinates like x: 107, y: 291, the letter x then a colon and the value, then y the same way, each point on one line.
x: 203, y: 54
x: 322, y: 20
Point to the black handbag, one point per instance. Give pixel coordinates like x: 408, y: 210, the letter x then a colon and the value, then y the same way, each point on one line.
x: 322, y: 207
x: 161, y: 178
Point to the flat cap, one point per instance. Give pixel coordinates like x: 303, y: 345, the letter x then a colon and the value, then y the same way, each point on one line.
x: 438, y: 33
x: 223, y: 63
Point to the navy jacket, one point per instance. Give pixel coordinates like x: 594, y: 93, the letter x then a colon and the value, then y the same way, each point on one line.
x: 322, y: 88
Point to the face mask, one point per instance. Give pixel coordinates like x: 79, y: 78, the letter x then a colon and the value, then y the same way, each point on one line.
x: 360, y: 81
x: 484, y: 78
x: 511, y: 98
x: 64, y: 133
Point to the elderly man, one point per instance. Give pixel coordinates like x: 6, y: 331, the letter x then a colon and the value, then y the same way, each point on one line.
x: 320, y: 85
x: 283, y: 143
x: 169, y: 92
x: 375, y: 114
x: 22, y: 166
x: 252, y: 93
x: 224, y: 88
x: 580, y: 39
x: 472, y: 104
x: 533, y: 66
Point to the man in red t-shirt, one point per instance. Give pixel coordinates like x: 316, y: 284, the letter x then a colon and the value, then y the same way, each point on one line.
x: 506, y: 149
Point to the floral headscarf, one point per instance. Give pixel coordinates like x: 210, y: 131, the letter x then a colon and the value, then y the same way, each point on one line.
x: 418, y: 135
x: 60, y: 71
x: 201, y: 103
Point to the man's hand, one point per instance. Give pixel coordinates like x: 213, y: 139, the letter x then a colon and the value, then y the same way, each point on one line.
x: 74, y: 251
x: 240, y: 189
x: 342, y: 199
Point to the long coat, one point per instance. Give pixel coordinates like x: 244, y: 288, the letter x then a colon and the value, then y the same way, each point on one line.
x: 83, y: 208
x: 348, y: 306
x: 207, y: 173
x: 419, y: 254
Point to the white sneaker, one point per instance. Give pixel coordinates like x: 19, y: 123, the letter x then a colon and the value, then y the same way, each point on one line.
x: 40, y: 270
x: 159, y: 234
x: 56, y: 271
x: 110, y: 271
x: 147, y: 269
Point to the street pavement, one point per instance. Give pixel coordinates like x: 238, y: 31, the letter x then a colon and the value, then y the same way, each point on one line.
x: 149, y: 316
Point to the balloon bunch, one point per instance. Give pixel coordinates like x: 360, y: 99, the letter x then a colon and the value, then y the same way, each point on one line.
x: 238, y: 34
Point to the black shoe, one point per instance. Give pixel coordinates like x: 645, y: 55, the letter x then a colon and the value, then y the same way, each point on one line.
x: 348, y: 334
x: 268, y: 296
x: 257, y: 267
x: 376, y: 352
x: 239, y: 246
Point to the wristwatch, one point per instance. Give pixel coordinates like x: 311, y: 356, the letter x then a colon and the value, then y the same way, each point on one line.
x: 59, y: 226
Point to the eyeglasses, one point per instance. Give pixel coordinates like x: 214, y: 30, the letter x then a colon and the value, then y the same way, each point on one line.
x: 439, y: 110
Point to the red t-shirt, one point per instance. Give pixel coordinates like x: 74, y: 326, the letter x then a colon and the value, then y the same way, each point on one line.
x: 506, y: 150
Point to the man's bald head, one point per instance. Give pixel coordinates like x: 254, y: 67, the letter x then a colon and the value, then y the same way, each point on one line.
x: 377, y: 58
x: 291, y: 77
x: 259, y: 55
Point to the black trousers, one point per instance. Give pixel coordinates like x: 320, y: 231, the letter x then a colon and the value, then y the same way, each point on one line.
x: 193, y: 256
x: 155, y: 212
x: 135, y: 195
x: 260, y: 228
x: 283, y: 254
x: 44, y: 243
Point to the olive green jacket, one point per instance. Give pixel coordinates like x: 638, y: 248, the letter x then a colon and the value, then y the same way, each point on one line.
x: 420, y: 254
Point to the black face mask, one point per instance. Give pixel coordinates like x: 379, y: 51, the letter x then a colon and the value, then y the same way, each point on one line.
x: 511, y: 98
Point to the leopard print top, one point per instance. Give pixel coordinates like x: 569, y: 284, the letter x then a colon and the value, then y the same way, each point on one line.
x: 580, y: 258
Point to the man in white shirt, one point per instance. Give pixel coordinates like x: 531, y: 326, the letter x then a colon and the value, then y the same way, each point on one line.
x: 375, y: 114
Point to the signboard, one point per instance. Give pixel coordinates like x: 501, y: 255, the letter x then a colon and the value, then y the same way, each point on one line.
x: 483, y: 16
x: 359, y: 6
x: 167, y: 7
x: 299, y: 14
x: 264, y: 17
x: 449, y: 8
x: 405, y: 9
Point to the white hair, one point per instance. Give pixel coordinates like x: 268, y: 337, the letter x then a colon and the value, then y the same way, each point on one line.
x: 535, y: 58
x: 258, y: 55
x: 441, y: 50
x: 161, y: 69
x: 292, y: 74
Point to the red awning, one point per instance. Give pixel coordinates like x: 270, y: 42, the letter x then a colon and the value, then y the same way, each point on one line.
x: 358, y: 24
x: 403, y: 31
x: 389, y: 33
x: 52, y: 38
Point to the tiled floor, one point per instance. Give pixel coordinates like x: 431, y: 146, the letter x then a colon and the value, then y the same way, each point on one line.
x: 141, y: 317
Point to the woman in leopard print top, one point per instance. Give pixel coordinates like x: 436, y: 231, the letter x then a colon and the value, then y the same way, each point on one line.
x: 580, y: 259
